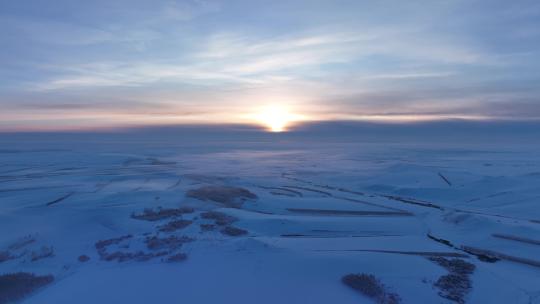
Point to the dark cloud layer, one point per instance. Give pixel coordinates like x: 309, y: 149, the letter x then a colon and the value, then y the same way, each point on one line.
x: 422, y: 133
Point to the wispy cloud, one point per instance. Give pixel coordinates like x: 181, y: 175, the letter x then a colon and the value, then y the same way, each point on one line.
x: 239, y: 58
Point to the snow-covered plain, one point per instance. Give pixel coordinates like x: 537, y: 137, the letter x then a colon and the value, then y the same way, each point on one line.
x: 300, y: 216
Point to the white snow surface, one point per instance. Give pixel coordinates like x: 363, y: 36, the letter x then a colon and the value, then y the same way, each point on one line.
x: 323, y: 210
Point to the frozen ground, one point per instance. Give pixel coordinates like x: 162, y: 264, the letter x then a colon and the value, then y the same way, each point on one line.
x: 273, y: 221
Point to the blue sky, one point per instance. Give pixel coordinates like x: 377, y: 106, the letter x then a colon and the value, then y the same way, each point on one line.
x: 78, y: 64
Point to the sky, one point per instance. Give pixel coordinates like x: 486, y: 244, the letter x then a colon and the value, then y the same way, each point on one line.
x: 68, y: 64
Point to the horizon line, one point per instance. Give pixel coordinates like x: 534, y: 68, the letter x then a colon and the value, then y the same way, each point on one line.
x: 294, y: 127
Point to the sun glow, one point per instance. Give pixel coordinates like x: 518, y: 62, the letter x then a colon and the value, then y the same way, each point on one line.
x: 276, y: 118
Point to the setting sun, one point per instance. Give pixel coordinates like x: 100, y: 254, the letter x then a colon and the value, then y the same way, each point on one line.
x: 276, y: 118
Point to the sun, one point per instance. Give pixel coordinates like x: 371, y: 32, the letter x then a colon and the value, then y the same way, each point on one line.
x: 275, y: 118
